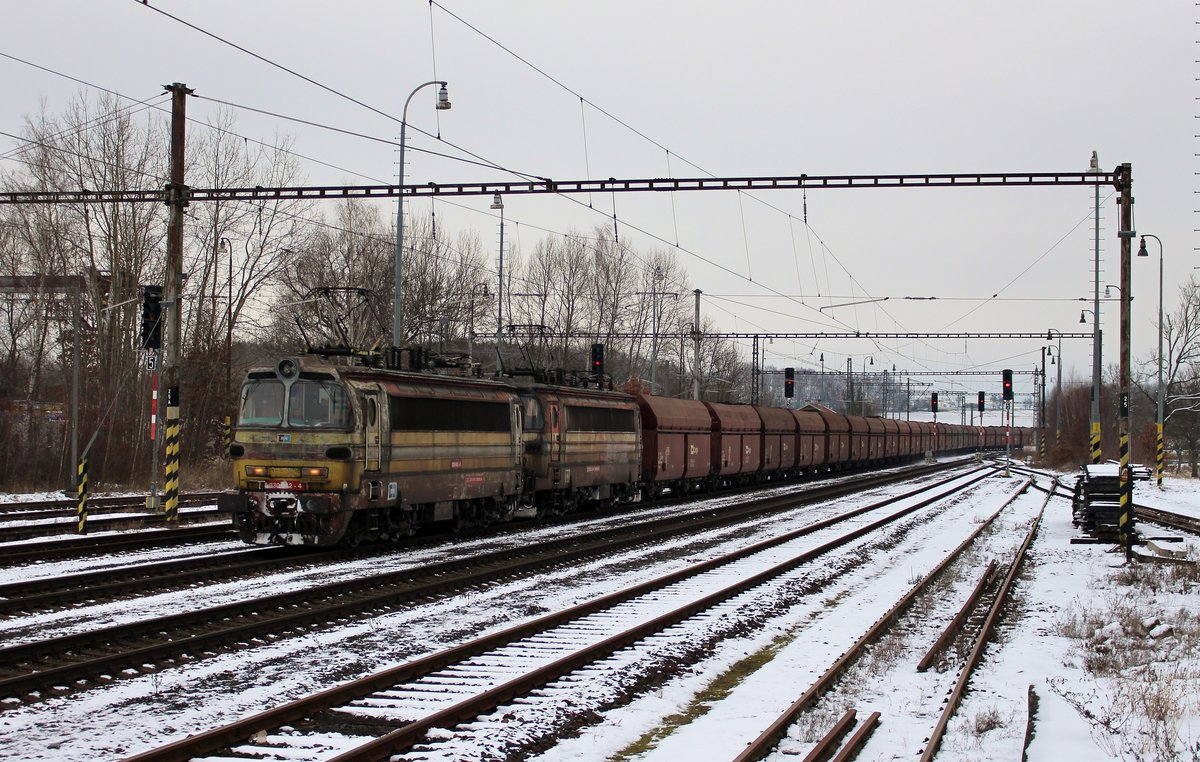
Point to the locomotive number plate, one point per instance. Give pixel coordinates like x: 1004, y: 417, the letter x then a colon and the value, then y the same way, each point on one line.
x: 284, y: 484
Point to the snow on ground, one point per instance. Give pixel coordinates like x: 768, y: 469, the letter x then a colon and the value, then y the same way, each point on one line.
x: 225, y: 687
x: 1111, y: 653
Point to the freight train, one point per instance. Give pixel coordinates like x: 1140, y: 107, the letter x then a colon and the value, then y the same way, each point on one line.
x: 329, y: 454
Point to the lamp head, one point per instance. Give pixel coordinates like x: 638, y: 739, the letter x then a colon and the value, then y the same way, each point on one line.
x: 443, y: 101
x: 497, y: 202
x: 1142, y: 249
x: 1081, y: 319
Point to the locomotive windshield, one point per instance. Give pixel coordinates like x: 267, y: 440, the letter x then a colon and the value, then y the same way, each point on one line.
x: 319, y: 403
x: 262, y: 403
x: 310, y: 404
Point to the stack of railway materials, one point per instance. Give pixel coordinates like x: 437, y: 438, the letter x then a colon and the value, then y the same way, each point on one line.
x: 63, y: 664
x: 571, y: 639
x: 132, y: 510
x: 767, y: 741
x: 1182, y: 522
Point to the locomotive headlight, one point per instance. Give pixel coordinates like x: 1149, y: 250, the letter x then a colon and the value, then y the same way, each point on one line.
x: 315, y: 472
x: 256, y: 470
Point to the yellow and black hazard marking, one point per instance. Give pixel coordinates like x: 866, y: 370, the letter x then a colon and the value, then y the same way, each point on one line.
x: 171, y: 483
x: 81, y: 491
x: 1095, y: 442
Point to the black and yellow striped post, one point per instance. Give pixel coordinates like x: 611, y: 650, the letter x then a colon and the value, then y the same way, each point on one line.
x: 81, y: 491
x: 1125, y: 520
x: 1158, y: 462
x: 1095, y: 442
x: 228, y: 439
x: 171, y: 484
x: 1042, y: 445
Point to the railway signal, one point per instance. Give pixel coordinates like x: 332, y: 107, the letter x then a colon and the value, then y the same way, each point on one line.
x: 789, y: 382
x: 151, y: 317
x: 1007, y: 381
x: 933, y: 402
x: 598, y: 359
x: 981, y: 402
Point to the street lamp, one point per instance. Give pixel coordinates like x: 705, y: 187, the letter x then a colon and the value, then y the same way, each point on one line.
x: 443, y: 103
x: 1158, y: 470
x: 498, y: 203
x: 1058, y: 398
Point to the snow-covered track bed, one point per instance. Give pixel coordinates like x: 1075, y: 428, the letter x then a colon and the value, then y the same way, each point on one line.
x: 769, y: 739
x: 34, y: 670
x: 104, y: 545
x: 1166, y: 518
x: 64, y: 507
x: 522, y: 668
x: 44, y: 592
x: 53, y: 592
x: 22, y: 526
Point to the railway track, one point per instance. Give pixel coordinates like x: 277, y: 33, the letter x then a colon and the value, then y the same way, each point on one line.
x: 766, y: 742
x: 125, y: 521
x: 23, y: 598
x: 64, y: 507
x: 63, y: 664
x: 107, y: 544
x: 49, y: 593
x: 390, y: 711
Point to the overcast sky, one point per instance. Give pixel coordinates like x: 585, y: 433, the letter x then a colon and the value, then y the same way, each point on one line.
x: 728, y: 89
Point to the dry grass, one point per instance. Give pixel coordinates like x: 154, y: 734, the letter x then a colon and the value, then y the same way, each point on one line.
x: 1143, y: 679
x: 987, y: 720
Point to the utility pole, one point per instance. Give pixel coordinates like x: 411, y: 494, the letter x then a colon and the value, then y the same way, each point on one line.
x: 1096, y: 344
x: 849, y: 386
x: 1123, y: 179
x: 654, y: 328
x: 696, y: 344
x: 1041, y: 430
x: 177, y: 199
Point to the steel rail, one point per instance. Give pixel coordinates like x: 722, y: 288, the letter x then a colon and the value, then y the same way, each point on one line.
x: 405, y: 737
x: 48, y: 592
x: 766, y: 741
x: 832, y: 738
x: 11, y: 533
x: 27, y: 552
x: 108, y: 501
x: 957, y: 621
x: 856, y: 742
x: 124, y: 646
x: 236, y: 732
x: 1168, y: 518
x: 45, y: 593
x: 981, y: 640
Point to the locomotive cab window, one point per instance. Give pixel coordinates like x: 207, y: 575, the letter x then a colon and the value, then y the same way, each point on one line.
x: 322, y: 404
x: 262, y: 403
